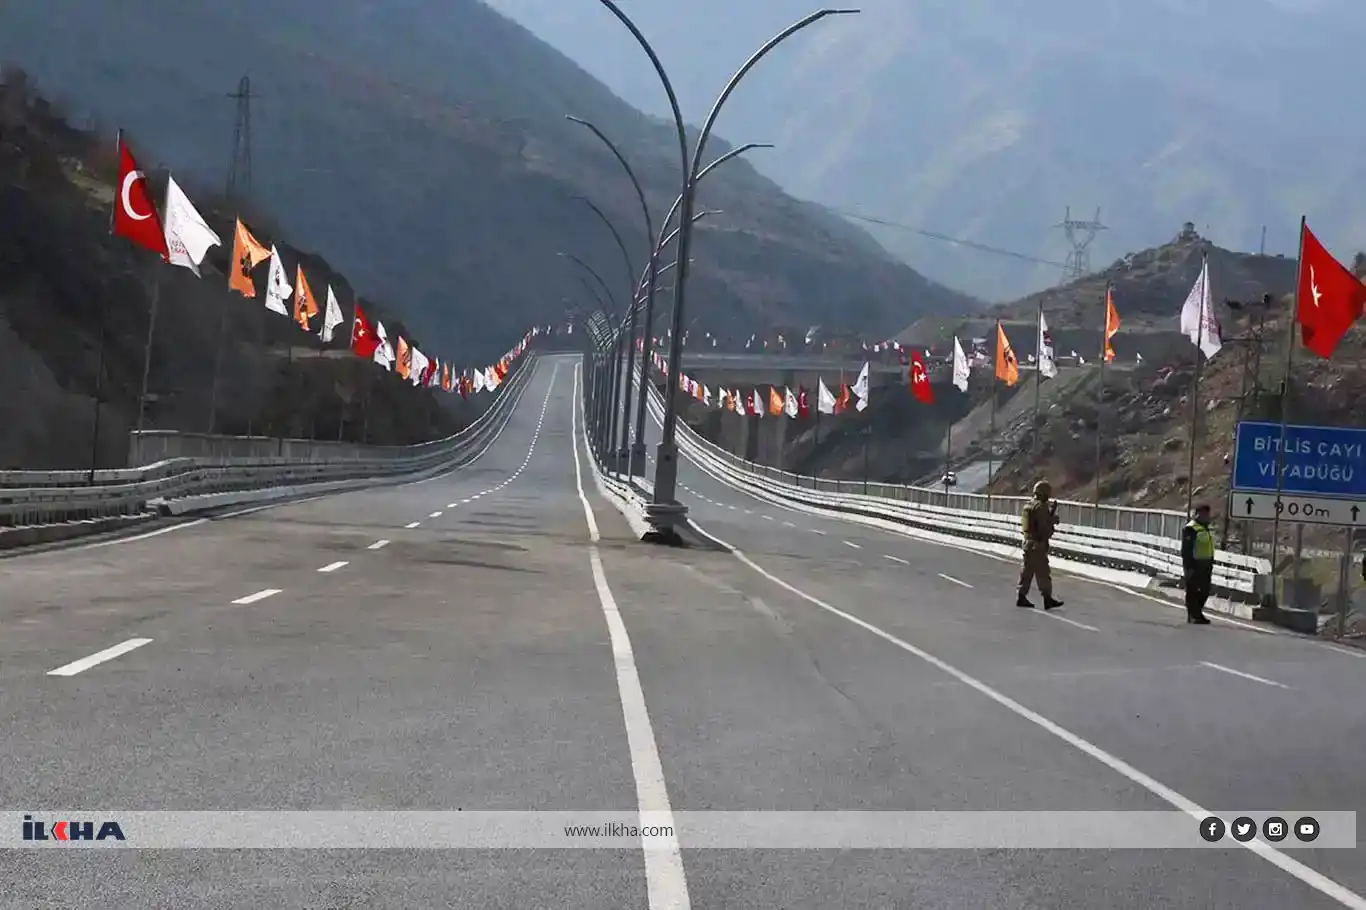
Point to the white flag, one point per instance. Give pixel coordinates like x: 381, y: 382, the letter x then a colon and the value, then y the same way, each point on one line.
x: 332, y: 318
x: 739, y: 403
x: 417, y: 366
x: 790, y: 405
x: 1047, y: 367
x: 384, y: 352
x: 961, y: 370
x: 1198, y: 322
x: 825, y: 402
x: 478, y: 381
x: 706, y: 396
x: 188, y: 237
x: 278, y: 289
x: 756, y: 406
x: 861, y: 387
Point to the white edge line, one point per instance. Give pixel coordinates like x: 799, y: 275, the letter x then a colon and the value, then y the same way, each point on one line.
x: 956, y: 581
x: 1232, y: 672
x: 666, y: 882
x: 1070, y: 622
x: 1309, y: 876
x: 99, y: 657
x: 136, y: 537
x: 258, y: 596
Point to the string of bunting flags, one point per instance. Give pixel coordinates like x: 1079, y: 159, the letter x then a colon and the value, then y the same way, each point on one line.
x: 181, y: 237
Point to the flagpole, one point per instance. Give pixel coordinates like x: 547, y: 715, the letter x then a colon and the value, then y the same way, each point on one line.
x: 217, y: 365
x: 99, y: 368
x: 1100, y: 393
x: 1195, y: 388
x: 1038, y: 379
x: 147, y: 347
x: 991, y: 440
x: 1285, y: 401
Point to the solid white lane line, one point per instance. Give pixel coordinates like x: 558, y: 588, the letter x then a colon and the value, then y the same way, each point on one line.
x: 412, y: 524
x: 333, y: 566
x: 1233, y: 672
x: 435, y: 515
x: 1070, y: 622
x: 378, y: 545
x: 258, y: 596
x: 666, y: 884
x: 954, y: 580
x: 143, y: 536
x: 1311, y: 877
x: 904, y: 562
x: 848, y: 543
x: 99, y: 657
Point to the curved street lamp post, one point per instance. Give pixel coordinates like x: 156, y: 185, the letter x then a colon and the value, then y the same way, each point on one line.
x: 666, y: 458
x: 610, y: 418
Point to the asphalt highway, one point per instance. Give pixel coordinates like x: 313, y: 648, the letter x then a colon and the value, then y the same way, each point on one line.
x: 495, y: 639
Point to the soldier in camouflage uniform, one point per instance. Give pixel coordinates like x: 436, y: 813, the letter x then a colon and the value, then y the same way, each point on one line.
x: 1037, y: 522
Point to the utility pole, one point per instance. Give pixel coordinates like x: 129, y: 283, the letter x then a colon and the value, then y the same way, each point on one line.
x: 1079, y: 235
x: 239, y: 171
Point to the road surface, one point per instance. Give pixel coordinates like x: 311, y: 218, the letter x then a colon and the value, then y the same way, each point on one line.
x: 467, y: 644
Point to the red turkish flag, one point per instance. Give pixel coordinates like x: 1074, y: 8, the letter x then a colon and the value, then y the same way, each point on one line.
x: 920, y: 379
x: 803, y: 409
x: 134, y: 215
x: 364, y: 341
x: 1329, y: 299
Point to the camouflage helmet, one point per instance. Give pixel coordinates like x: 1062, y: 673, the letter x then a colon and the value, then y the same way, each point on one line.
x: 1043, y: 488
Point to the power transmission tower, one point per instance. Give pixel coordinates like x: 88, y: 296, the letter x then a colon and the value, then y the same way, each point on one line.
x: 1079, y: 234
x: 239, y: 172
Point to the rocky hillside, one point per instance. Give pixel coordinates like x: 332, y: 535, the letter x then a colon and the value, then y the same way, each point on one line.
x: 423, y: 146
x: 64, y: 280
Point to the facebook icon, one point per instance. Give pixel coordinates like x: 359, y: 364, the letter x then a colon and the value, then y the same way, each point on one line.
x: 1212, y: 829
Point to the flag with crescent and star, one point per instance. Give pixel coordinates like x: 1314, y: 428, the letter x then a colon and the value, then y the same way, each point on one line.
x: 920, y: 380
x: 1329, y: 300
x: 135, y: 218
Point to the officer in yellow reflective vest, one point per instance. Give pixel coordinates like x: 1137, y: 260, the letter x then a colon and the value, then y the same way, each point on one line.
x: 1197, y: 560
x: 1037, y: 522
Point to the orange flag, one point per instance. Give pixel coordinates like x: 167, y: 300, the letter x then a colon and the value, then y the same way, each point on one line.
x: 1007, y: 367
x: 775, y: 402
x: 445, y: 377
x: 404, y: 358
x: 247, y: 254
x: 1111, y: 323
x: 305, y: 307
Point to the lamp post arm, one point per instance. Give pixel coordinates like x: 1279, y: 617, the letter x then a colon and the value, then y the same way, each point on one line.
x: 626, y: 257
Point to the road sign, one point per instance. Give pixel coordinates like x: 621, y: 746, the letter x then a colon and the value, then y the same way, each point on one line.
x: 1310, y: 510
x: 1317, y: 461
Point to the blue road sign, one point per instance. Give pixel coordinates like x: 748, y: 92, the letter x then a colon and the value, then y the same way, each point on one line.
x: 1318, y: 461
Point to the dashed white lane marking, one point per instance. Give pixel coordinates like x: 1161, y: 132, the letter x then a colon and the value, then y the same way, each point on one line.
x: 788, y: 524
x: 904, y: 562
x: 749, y: 511
x: 768, y: 518
x: 1070, y: 622
x: 334, y: 566
x: 666, y: 884
x: 452, y: 505
x: 1311, y: 877
x: 99, y: 657
x: 378, y: 545
x: 732, y: 508
x: 436, y: 515
x: 412, y: 524
x: 849, y: 543
x: 258, y: 596
x: 957, y: 581
x: 818, y: 531
x: 1233, y: 672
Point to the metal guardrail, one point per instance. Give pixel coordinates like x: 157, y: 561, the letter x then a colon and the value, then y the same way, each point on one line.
x: 970, y: 516
x: 63, y: 496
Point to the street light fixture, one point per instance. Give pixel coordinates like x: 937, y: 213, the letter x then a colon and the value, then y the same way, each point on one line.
x: 666, y: 458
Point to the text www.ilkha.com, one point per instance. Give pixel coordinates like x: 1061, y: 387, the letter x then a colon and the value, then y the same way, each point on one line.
x: 618, y: 829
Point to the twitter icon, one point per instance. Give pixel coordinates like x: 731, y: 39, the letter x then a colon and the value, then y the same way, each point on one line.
x: 1244, y: 829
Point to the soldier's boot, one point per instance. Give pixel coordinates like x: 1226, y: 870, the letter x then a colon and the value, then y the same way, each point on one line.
x: 1023, y: 601
x: 1051, y: 603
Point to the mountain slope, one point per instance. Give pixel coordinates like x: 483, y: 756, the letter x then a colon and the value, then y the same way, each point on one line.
x: 423, y: 147
x: 984, y: 118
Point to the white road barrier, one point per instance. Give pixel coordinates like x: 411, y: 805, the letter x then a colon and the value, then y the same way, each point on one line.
x: 36, y: 506
x: 1137, y: 540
